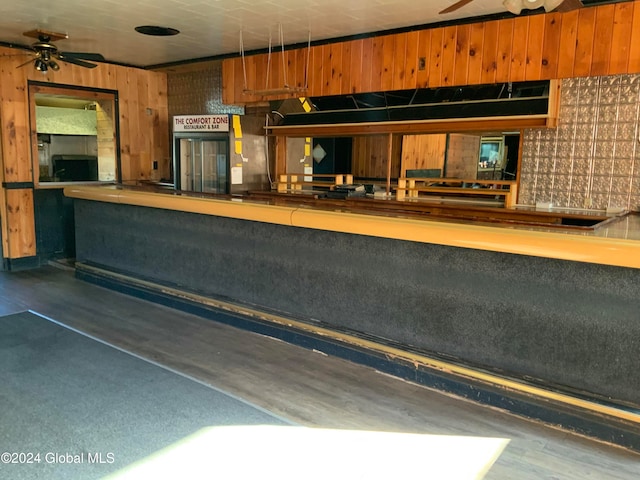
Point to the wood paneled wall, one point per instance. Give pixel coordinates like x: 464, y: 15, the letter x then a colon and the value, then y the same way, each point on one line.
x: 602, y: 40
x: 144, y: 132
x: 371, y: 156
x: 421, y: 152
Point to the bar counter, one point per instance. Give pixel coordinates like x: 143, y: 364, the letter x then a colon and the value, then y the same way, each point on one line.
x: 617, y: 243
x: 548, y: 312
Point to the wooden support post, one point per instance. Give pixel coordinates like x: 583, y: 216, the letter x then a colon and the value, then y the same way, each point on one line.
x: 389, y: 154
x: 281, y: 157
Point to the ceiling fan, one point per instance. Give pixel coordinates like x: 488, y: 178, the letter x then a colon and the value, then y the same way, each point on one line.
x: 46, y: 53
x: 516, y: 6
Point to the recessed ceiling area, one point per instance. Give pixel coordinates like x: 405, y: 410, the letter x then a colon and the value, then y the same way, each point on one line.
x: 209, y: 29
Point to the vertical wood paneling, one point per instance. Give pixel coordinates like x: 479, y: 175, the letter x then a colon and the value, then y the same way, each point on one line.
x: 568, y: 38
x: 346, y: 68
x: 302, y: 60
x: 503, y: 54
x: 161, y: 126
x: 411, y: 61
x: 127, y: 105
x: 519, y: 50
x: 535, y: 42
x: 422, y: 152
x: 356, y: 64
x: 424, y: 58
x: 4, y: 225
x: 489, y: 52
x: 144, y: 128
x: 634, y: 49
x: 333, y: 82
x: 229, y: 80
x: 370, y: 156
x: 289, y: 71
x: 602, y: 40
x: 21, y: 223
x: 461, y: 69
x: 552, y: 32
x: 253, y: 82
x: 316, y: 71
x: 589, y: 41
x: 145, y: 135
x: 399, y: 61
x: 377, y: 64
x: 584, y: 42
x: 327, y: 68
x: 367, y: 65
x: 16, y: 136
x: 275, y: 72
x: 396, y: 151
x: 621, y: 37
x: 476, y: 43
x: 448, y: 56
x: 388, y: 55
x: 249, y: 66
x: 435, y: 60
x: 239, y: 76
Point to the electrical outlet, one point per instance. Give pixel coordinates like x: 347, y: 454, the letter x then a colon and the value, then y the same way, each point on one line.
x: 155, y: 164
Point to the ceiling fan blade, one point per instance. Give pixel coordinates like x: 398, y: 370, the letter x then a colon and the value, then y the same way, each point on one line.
x: 455, y: 6
x: 94, y: 57
x: 75, y: 61
x: 569, y: 5
x: 26, y: 63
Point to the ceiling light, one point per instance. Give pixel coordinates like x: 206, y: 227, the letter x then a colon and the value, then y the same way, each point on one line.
x: 54, y: 65
x: 532, y: 4
x: 156, y: 31
x: 516, y: 6
x: 41, y: 65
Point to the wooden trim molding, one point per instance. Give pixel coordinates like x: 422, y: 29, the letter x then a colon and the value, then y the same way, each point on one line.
x: 413, y: 127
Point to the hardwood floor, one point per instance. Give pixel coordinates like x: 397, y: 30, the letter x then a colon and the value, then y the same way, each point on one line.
x: 303, y: 386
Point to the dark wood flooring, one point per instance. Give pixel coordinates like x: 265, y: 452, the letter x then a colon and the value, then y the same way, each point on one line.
x: 303, y: 386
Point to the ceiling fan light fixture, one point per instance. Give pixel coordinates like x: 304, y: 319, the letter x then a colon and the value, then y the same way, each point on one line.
x: 53, y: 65
x: 516, y: 6
x: 513, y: 6
x: 41, y: 65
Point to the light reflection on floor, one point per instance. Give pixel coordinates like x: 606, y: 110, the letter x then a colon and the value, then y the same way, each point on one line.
x: 276, y: 452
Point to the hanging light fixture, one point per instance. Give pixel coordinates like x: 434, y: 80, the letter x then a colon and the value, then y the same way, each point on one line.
x: 516, y: 6
x: 41, y: 65
x: 45, y: 62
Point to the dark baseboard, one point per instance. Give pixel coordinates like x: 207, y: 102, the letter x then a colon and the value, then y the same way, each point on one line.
x: 17, y: 264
